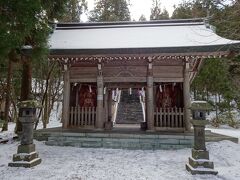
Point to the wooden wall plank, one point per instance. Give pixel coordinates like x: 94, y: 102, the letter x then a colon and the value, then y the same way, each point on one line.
x: 168, y: 71
x: 125, y: 71
x: 89, y: 72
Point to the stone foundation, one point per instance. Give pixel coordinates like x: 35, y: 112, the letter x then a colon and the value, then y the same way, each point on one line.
x: 26, y: 157
x: 199, y: 163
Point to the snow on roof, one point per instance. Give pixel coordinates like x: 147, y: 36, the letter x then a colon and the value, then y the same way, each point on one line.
x: 152, y: 34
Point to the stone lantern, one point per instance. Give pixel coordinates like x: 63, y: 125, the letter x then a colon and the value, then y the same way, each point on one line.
x: 26, y: 155
x: 199, y: 163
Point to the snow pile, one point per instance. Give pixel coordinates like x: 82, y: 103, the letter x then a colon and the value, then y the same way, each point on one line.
x: 110, y: 164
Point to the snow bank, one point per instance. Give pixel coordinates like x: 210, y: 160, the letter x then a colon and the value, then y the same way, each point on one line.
x: 98, y: 164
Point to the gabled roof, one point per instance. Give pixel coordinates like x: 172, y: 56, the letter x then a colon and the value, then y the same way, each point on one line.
x: 168, y: 36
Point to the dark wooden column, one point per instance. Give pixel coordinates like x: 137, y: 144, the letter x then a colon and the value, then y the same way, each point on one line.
x: 106, y: 97
x: 100, y: 109
x: 186, y: 95
x: 150, y: 102
x: 109, y: 104
x: 66, y: 97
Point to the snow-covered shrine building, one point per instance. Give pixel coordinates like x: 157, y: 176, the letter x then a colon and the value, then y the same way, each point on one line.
x: 158, y: 58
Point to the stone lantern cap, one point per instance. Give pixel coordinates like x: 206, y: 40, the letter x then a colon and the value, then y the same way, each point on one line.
x: 201, y: 106
x: 29, y: 104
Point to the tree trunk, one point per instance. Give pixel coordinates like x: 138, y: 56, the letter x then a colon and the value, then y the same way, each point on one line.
x: 8, y: 93
x: 207, y: 93
x: 45, y: 111
x: 45, y: 94
x: 216, y: 107
x: 26, y: 84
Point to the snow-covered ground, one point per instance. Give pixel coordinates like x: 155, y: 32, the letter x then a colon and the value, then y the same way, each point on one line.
x: 69, y: 163
x: 225, y: 130
x: 96, y: 164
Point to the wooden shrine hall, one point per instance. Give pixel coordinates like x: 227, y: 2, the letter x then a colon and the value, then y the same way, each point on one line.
x: 158, y: 58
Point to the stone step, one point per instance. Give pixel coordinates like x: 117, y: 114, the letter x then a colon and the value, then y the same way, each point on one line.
x: 121, y: 141
x: 129, y: 109
x: 127, y: 139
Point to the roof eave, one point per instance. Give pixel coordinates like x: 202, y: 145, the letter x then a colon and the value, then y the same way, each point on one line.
x: 213, y: 49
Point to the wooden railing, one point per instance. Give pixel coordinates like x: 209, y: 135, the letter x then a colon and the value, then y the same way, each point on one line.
x: 82, y: 117
x: 169, y: 118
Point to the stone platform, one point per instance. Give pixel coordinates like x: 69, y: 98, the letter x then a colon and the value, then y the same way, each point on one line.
x: 121, y: 138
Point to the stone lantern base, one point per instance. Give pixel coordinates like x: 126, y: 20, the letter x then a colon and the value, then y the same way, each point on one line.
x: 26, y: 157
x: 199, y: 163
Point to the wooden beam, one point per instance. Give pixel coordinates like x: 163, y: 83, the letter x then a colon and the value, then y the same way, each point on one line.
x: 124, y: 79
x: 66, y: 98
x: 106, y: 101
x: 157, y: 79
x: 150, y: 101
x: 126, y: 85
x: 83, y: 80
x: 100, y: 109
x: 186, y: 96
x: 131, y: 57
x: 109, y: 105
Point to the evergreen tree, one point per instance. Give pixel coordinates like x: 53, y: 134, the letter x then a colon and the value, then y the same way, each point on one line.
x: 182, y: 11
x: 157, y: 13
x: 218, y: 77
x: 214, y: 79
x: 23, y: 24
x: 110, y: 10
x: 227, y: 21
x: 74, y: 8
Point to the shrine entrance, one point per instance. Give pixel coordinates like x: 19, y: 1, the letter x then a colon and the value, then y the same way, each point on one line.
x: 125, y: 105
x: 130, y: 109
x: 128, y: 105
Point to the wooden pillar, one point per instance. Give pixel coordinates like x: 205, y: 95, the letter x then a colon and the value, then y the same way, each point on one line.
x: 106, y: 97
x: 100, y: 109
x: 186, y: 95
x: 66, y: 98
x: 150, y: 101
x: 109, y: 105
x: 77, y: 96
